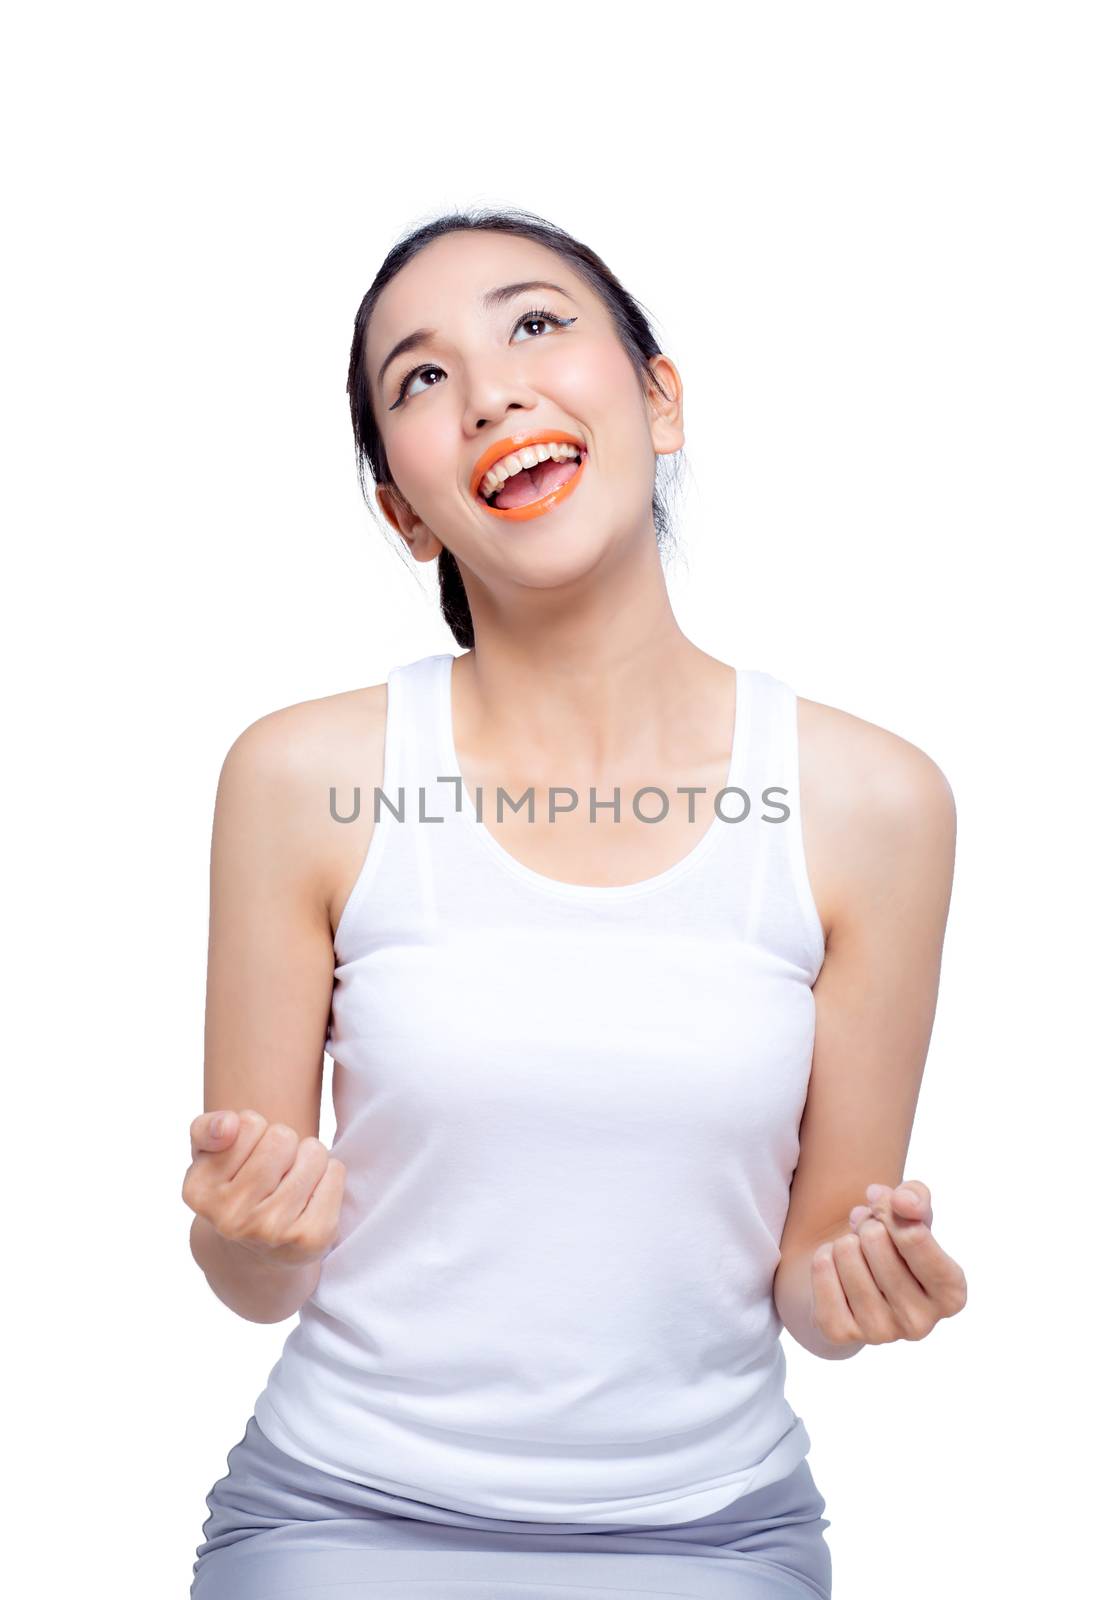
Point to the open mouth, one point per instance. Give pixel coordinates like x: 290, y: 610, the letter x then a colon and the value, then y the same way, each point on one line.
x: 529, y: 491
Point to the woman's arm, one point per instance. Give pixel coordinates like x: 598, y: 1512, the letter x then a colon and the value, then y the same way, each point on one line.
x: 270, y: 975
x: 882, y: 840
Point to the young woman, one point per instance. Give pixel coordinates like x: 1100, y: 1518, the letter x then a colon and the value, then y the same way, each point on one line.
x: 628, y: 975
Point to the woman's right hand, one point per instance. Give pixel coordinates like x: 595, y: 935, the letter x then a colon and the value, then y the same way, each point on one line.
x: 263, y: 1188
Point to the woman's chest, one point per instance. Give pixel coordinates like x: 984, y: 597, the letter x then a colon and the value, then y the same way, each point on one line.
x: 638, y: 1031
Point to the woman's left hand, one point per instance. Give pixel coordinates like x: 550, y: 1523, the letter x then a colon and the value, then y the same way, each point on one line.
x: 888, y: 1278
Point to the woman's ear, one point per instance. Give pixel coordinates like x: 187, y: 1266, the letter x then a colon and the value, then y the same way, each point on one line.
x: 666, y: 410
x: 423, y: 543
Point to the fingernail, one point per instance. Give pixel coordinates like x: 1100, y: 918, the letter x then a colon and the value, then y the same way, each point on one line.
x: 216, y: 1127
x: 874, y: 1192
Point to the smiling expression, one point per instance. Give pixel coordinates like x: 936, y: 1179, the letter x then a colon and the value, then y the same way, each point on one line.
x: 484, y: 345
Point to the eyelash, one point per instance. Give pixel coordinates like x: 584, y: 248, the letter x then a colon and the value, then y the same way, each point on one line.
x: 537, y: 314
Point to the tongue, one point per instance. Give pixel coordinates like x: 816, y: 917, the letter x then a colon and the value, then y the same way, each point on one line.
x: 534, y: 482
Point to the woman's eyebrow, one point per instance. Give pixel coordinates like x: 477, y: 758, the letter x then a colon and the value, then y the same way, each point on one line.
x: 492, y: 298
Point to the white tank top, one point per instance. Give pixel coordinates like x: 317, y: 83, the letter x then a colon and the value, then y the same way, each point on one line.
x: 569, y: 1115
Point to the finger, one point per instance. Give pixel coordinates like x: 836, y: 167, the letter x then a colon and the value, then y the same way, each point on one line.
x: 910, y: 1199
x: 232, y: 1155
x: 870, y: 1310
x: 940, y: 1277
x: 830, y: 1310
x: 326, y: 1199
x: 911, y: 1306
x: 294, y: 1190
x: 883, y: 1207
x: 213, y: 1130
x: 857, y: 1216
x: 271, y: 1156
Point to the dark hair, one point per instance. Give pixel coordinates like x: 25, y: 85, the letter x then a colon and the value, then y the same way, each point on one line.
x: 630, y: 321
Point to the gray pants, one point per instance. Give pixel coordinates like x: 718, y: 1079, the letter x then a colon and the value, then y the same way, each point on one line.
x: 278, y: 1528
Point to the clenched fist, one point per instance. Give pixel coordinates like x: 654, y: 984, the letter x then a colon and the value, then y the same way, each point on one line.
x: 888, y: 1278
x: 263, y: 1188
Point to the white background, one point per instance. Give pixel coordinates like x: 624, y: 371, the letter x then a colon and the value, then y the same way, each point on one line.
x: 874, y: 240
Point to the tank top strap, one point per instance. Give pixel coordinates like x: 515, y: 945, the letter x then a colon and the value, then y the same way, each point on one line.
x: 395, y: 866
x: 784, y: 915
x: 412, y: 759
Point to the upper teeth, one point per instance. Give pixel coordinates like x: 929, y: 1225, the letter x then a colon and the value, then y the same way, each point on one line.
x: 508, y: 466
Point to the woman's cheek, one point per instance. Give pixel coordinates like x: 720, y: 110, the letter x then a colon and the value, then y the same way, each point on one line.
x: 424, y: 470
x: 594, y: 382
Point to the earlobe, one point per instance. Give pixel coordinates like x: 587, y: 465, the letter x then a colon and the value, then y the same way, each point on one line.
x: 423, y: 543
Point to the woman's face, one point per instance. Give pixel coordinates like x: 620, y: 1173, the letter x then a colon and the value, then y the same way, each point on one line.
x: 483, y: 374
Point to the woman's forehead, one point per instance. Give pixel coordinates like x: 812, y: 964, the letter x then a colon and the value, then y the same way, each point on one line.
x: 465, y: 275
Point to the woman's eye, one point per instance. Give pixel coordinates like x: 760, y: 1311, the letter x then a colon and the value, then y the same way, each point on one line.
x: 528, y: 319
x: 531, y: 318
x: 407, y: 382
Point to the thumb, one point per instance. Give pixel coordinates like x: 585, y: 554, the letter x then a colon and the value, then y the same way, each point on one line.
x: 912, y: 1200
x: 219, y: 1130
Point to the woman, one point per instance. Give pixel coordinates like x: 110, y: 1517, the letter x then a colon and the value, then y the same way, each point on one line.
x: 602, y: 1129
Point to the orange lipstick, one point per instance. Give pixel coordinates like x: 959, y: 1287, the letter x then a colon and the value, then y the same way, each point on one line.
x: 519, y: 441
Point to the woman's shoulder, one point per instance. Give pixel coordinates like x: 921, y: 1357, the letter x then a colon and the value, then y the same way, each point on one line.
x: 847, y: 755
x: 299, y: 771
x: 298, y: 743
x: 868, y: 798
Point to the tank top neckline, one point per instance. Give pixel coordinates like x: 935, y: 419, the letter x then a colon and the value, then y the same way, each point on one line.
x: 709, y: 841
